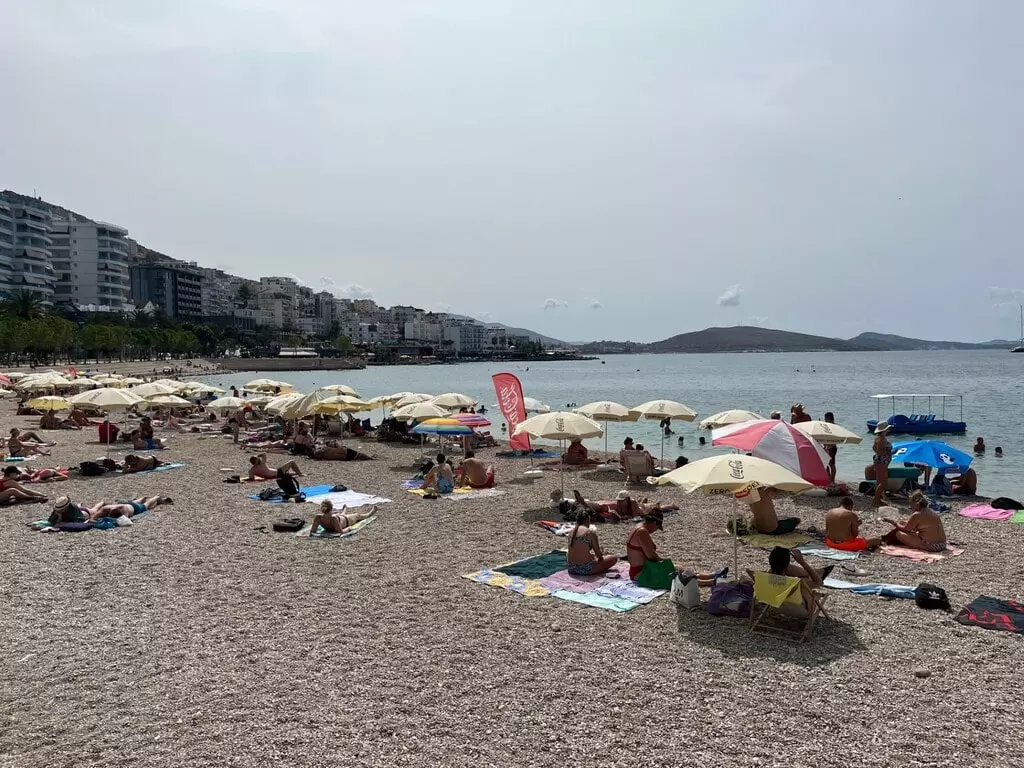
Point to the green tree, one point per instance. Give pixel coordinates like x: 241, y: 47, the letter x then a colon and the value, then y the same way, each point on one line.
x: 24, y: 304
x: 243, y: 295
x: 343, y: 344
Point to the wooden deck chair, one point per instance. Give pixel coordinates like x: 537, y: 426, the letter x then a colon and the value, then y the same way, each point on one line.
x: 637, y: 467
x: 778, y: 608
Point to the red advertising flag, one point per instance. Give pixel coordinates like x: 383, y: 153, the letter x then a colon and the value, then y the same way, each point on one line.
x: 510, y: 400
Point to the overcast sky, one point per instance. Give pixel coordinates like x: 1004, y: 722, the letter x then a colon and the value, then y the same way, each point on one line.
x: 586, y: 169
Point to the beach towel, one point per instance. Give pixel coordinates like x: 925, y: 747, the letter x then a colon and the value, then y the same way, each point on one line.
x: 537, y: 455
x: 557, y: 528
x: 161, y: 468
x: 986, y: 512
x: 816, y: 550
x: 14, y: 459
x: 917, y: 555
x: 595, y: 600
x: 1018, y: 517
x: 322, y: 534
x: 317, y: 490
x: 992, y: 613
x: 536, y: 567
x: 767, y: 541
x: 517, y: 584
x: 881, y: 590
x: 461, y: 494
x: 339, y: 499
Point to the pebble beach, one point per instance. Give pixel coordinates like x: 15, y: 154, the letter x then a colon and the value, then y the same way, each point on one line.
x: 198, y: 637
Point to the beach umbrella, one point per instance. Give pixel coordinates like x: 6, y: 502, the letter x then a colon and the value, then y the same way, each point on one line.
x: 533, y: 405
x: 933, y: 453
x: 15, y: 375
x: 201, y: 388
x: 304, y: 405
x: 412, y: 398
x: 5, y: 392
x: 146, y: 391
x: 778, y: 442
x: 226, y: 404
x: 474, y: 420
x: 724, y: 418
x: 267, y: 385
x: 341, y: 389
x: 109, y: 381
x: 6, y: 381
x: 166, y: 401
x: 259, y: 400
x: 664, y: 409
x: 827, y: 433
x: 606, y: 410
x: 84, y: 382
x: 177, y: 386
x: 733, y: 474
x: 442, y: 426
x: 131, y: 380
x: 277, y: 405
x: 107, y: 399
x: 415, y: 411
x: 341, y: 404
x: 453, y: 400
x: 559, y: 425
x: 49, y: 403
x: 47, y: 380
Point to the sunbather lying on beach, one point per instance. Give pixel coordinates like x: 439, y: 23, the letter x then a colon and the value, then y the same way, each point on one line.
x: 12, y: 491
x: 585, y: 556
x: 577, y: 455
x: 441, y: 477
x: 41, y: 475
x: 338, y: 453
x: 923, y: 530
x: 27, y: 444
x: 124, y: 508
x: 842, y: 529
x: 765, y: 519
x: 475, y: 474
x: 133, y: 463
x: 259, y: 469
x: 337, y: 522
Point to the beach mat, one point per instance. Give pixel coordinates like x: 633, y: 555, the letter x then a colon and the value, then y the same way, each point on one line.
x: 1018, y: 517
x: 767, y: 541
x: 102, y: 524
x: 872, y: 590
x: 322, y: 534
x: 986, y: 512
x: 316, y: 490
x: 918, y: 555
x: 461, y: 494
x: 992, y: 613
x: 817, y: 550
x: 350, y: 499
x: 536, y: 455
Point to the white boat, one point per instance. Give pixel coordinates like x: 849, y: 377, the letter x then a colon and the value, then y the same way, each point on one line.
x: 1020, y: 347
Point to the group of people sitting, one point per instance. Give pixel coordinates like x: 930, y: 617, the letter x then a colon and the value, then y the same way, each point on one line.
x: 622, y: 507
x: 923, y: 530
x: 442, y: 478
x: 76, y: 419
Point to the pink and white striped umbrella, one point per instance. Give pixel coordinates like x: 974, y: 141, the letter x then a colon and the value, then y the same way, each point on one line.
x: 779, y: 442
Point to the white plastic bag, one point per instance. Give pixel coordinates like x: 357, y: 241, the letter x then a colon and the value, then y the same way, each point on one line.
x: 685, y: 590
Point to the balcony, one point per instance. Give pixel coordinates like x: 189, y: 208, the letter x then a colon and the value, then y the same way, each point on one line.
x: 33, y: 252
x: 106, y: 243
x: 113, y: 257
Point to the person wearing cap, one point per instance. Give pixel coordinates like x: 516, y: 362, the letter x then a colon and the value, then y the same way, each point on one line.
x: 882, y: 455
x: 797, y: 414
x: 627, y: 445
x: 640, y: 546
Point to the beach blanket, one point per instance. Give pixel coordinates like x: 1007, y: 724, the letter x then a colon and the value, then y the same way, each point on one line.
x: 1018, y: 517
x: 517, y: 584
x: 322, y: 534
x: 817, y: 550
x: 102, y: 524
x: 559, y: 529
x: 339, y: 499
x: 880, y: 590
x: 537, y: 455
x: 537, y: 566
x: 917, y: 555
x: 986, y: 512
x: 13, y: 459
x: 767, y: 541
x: 992, y: 613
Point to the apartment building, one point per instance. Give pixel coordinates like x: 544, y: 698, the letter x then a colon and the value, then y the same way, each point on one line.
x: 90, y: 259
x: 25, y: 247
x: 7, y: 281
x: 173, y: 287
x: 215, y: 293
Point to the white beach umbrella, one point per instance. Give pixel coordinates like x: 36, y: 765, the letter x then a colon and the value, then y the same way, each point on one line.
x: 341, y: 404
x: 453, y: 400
x: 725, y: 418
x: 341, y: 389
x: 201, y: 388
x: 146, y: 391
x: 109, y: 381
x: 304, y: 405
x: 606, y: 410
x: 15, y: 375
x: 132, y: 380
x: 107, y: 398
x: 533, y: 405
x: 417, y: 411
x: 279, y: 404
x: 47, y: 380
x: 226, y: 404
x: 82, y: 382
x: 559, y: 425
x: 733, y: 473
x: 167, y: 401
x: 665, y: 409
x: 411, y: 398
x: 827, y: 433
x: 267, y: 385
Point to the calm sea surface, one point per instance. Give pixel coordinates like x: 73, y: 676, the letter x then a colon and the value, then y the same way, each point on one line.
x: 992, y: 384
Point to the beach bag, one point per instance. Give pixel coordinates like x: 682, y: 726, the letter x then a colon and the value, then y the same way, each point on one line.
x: 731, y: 599
x: 289, y: 525
x: 288, y: 485
x: 269, y: 494
x: 931, y: 597
x: 656, y: 574
x: 685, y: 590
x: 91, y: 469
x: 1002, y: 502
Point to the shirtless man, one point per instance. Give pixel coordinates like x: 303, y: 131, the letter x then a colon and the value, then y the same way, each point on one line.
x: 258, y: 468
x: 842, y: 529
x: 133, y: 463
x: 765, y: 519
x: 781, y: 562
x: 966, y: 484
x: 125, y: 508
x: 475, y: 474
x: 923, y: 530
x: 337, y: 453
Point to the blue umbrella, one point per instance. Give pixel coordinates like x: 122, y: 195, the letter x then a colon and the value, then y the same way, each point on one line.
x: 933, y: 453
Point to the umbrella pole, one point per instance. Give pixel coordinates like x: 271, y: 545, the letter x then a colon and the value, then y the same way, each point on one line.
x: 735, y: 540
x: 662, y: 449
x: 561, y: 459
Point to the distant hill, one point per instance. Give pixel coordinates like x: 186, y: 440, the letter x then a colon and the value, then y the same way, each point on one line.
x: 745, y: 338
x: 888, y: 341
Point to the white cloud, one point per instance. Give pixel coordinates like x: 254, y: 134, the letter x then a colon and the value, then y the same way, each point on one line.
x: 484, y: 317
x: 1006, y: 295
x: 731, y: 296
x: 555, y: 304
x: 345, y: 291
x: 595, y: 304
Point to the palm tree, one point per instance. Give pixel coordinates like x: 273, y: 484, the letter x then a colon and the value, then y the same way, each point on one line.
x: 24, y: 304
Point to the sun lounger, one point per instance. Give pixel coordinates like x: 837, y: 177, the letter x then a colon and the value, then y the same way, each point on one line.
x: 637, y: 467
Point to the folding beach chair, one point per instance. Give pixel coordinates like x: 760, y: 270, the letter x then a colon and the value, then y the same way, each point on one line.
x: 779, y: 610
x: 637, y: 467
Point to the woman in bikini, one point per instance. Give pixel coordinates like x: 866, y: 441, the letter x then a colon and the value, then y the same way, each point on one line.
x: 880, y: 461
x: 337, y: 522
x: 26, y: 445
x: 585, y: 556
x: 923, y: 530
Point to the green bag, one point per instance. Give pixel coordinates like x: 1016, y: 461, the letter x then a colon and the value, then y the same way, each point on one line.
x: 656, y: 574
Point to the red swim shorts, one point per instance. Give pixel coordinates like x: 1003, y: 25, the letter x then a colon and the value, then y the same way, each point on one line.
x: 852, y: 545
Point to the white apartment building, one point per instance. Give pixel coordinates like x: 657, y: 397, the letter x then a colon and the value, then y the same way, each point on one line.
x: 7, y: 283
x: 466, y: 336
x: 216, y: 293
x: 423, y: 329
x: 90, y: 259
x: 27, y: 226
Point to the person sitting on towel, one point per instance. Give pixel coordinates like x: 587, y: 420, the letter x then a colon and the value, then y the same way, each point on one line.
x: 842, y: 529
x: 133, y: 463
x: 441, y: 477
x: 923, y: 530
x: 781, y: 563
x: 585, y: 557
x: 12, y: 491
x: 966, y: 484
x: 765, y: 519
x: 125, y: 508
x: 640, y: 546
x: 475, y: 474
x: 140, y: 443
x: 337, y: 522
x: 577, y: 455
x: 49, y: 420
x: 27, y: 444
x: 258, y: 468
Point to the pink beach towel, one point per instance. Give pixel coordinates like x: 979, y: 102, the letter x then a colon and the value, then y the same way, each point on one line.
x: 986, y: 512
x: 919, y: 556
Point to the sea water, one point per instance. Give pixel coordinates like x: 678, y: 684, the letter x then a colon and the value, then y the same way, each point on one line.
x: 991, y: 382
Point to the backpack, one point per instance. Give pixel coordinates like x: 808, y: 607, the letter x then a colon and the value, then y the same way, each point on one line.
x: 929, y: 596
x: 289, y: 485
x: 289, y: 525
x: 269, y: 494
x: 731, y: 599
x: 91, y: 469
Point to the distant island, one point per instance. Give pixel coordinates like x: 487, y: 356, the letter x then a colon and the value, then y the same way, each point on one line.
x: 746, y: 338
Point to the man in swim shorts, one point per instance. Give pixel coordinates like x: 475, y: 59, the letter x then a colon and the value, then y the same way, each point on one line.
x: 475, y: 474
x: 765, y: 519
x: 259, y: 469
x: 842, y: 529
x: 125, y: 508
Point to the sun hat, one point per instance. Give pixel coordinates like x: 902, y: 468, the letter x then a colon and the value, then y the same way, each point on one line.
x: 62, y: 502
x: 882, y: 427
x: 622, y: 495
